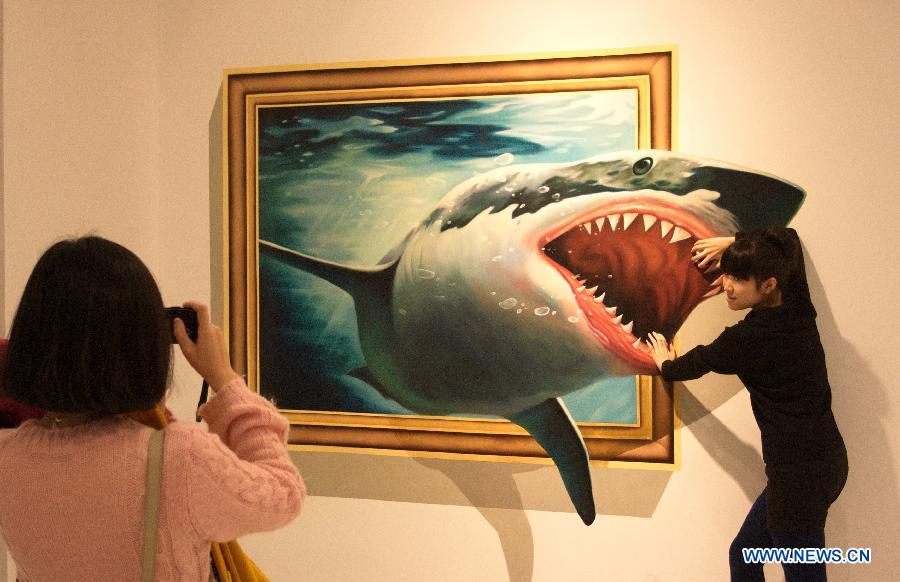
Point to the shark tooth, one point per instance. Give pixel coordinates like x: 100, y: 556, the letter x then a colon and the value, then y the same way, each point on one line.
x: 628, y: 326
x: 679, y: 234
x: 666, y: 227
x: 613, y: 220
x: 600, y: 222
x: 600, y: 299
x: 618, y: 319
x: 637, y: 344
x: 593, y: 289
x: 611, y: 310
x: 629, y: 218
x: 649, y: 220
x: 588, y: 226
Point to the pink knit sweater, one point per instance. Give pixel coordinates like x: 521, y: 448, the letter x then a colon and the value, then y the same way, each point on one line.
x: 71, y: 499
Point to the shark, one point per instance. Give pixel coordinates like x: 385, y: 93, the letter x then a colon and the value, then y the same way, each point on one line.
x: 528, y: 282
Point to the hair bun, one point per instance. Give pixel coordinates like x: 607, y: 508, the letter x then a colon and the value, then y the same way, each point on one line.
x: 782, y: 239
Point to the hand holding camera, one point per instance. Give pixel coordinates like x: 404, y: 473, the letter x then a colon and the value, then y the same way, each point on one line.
x: 208, y: 355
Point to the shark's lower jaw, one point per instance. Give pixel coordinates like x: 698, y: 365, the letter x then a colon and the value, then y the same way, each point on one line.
x: 630, y: 271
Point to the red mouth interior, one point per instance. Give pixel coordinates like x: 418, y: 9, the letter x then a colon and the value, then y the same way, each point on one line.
x: 626, y: 259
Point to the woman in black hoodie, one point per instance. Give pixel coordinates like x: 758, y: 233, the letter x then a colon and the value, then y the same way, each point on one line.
x: 776, y: 352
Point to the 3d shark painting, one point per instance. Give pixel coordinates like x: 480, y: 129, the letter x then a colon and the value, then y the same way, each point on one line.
x: 527, y: 282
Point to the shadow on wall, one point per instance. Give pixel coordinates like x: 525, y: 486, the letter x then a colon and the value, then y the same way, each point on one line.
x: 635, y: 492
x: 737, y: 458
x: 698, y: 398
x: 499, y: 491
x: 216, y: 214
x: 868, y: 510
x: 494, y: 488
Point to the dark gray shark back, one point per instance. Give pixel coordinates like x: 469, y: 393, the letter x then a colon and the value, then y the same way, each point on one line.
x: 742, y: 191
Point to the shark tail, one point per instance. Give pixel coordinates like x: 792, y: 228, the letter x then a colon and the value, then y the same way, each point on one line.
x: 346, y: 277
x: 553, y: 428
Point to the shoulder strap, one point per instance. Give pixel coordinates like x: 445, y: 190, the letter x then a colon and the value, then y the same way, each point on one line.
x: 151, y: 505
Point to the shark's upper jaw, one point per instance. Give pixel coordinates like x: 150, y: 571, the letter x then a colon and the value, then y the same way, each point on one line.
x: 628, y: 264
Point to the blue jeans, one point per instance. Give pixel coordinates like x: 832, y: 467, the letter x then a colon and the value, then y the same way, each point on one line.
x: 755, y: 533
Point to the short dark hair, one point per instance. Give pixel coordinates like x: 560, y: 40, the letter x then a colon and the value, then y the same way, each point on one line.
x: 761, y: 254
x: 90, y: 333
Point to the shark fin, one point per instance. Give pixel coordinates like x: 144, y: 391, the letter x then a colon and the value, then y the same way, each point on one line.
x: 553, y: 428
x: 366, y: 375
x: 346, y: 277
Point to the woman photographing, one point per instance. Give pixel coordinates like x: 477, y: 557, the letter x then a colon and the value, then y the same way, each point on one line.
x: 91, y: 343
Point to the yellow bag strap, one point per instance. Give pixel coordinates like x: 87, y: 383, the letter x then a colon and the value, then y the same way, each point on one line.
x: 219, y: 563
x: 233, y: 565
x: 151, y: 505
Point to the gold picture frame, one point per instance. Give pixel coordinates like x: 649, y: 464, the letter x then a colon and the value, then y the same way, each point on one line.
x: 649, y: 72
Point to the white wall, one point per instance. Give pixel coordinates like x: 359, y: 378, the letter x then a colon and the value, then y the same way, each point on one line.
x: 107, y: 110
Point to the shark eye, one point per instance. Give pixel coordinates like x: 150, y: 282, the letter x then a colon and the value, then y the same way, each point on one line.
x: 642, y: 166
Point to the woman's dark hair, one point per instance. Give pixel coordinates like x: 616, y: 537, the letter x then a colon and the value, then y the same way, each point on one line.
x: 90, y: 333
x: 760, y: 254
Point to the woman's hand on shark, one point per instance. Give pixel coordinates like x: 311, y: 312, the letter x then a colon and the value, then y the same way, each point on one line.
x: 708, y: 251
x: 660, y: 350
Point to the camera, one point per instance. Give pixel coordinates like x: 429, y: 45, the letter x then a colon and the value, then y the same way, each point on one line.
x: 188, y: 316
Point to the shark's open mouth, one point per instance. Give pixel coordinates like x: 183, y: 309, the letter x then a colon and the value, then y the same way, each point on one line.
x: 629, y: 267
